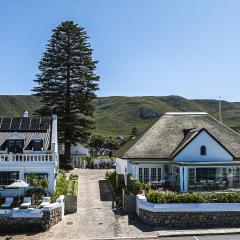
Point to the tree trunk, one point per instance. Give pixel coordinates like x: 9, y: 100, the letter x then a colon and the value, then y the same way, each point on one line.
x: 67, y: 153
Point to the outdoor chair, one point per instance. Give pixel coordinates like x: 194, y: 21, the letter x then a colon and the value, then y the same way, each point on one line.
x: 211, y: 183
x: 45, y: 202
x: 222, y: 185
x: 162, y: 182
x: 27, y: 202
x: 8, y: 202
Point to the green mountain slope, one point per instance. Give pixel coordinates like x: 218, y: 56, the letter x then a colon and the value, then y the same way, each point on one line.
x: 118, y: 115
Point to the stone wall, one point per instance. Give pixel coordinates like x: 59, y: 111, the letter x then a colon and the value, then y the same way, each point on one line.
x: 190, y: 219
x: 31, y: 224
x: 51, y: 218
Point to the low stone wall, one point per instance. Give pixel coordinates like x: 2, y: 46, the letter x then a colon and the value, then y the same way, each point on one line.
x: 51, y: 218
x: 31, y: 220
x: 31, y: 224
x: 190, y: 219
x: 188, y: 215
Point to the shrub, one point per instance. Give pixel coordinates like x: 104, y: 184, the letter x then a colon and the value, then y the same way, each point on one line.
x: 162, y: 197
x: 135, y: 186
x: 72, y: 187
x: 61, y: 186
x: 66, y: 166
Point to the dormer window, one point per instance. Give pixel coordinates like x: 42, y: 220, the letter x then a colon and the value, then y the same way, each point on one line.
x: 15, y: 143
x: 37, y: 145
x: 203, y: 150
x: 15, y: 146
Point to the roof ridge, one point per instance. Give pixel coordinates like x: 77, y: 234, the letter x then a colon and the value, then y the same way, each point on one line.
x: 186, y: 113
x: 235, y: 132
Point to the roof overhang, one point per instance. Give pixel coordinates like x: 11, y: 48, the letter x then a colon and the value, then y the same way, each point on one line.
x: 196, y: 164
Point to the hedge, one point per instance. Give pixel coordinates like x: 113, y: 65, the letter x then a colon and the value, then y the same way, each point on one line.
x: 162, y: 197
x: 72, y: 185
x: 61, y: 186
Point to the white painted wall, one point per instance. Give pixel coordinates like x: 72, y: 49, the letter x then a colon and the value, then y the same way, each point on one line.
x: 215, y: 152
x: 77, y: 149
x: 122, y: 165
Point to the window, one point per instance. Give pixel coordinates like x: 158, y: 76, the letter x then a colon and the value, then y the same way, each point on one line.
x: 191, y: 173
x: 140, y: 176
x: 146, y: 174
x: 7, y: 178
x: 15, y: 146
x: 159, y: 174
x: 37, y: 145
x: 38, y: 176
x: 153, y: 174
x: 203, y: 150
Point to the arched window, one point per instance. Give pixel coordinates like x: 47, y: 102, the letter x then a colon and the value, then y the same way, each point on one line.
x: 203, y: 150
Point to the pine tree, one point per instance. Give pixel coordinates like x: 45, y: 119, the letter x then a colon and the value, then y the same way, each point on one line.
x: 66, y: 83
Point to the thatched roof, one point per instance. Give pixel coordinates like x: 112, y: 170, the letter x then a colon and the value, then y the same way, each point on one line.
x: 163, y: 138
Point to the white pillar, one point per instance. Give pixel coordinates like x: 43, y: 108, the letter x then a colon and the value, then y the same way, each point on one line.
x: 137, y: 172
x: 181, y: 179
x: 185, y: 170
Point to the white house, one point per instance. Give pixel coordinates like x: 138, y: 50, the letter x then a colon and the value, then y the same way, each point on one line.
x: 189, y: 151
x: 28, y: 145
x: 78, y: 154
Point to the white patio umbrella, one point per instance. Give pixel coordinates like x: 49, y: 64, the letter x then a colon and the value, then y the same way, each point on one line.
x: 18, y: 184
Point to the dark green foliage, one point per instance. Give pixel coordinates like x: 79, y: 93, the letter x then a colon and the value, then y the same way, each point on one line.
x: 111, y: 144
x: 162, y: 197
x: 67, y: 83
x: 61, y: 186
x: 96, y: 143
x: 66, y: 166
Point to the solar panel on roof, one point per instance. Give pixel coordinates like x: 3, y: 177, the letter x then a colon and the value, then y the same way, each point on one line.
x: 35, y: 122
x: 44, y: 124
x: 25, y: 123
x: 5, y: 124
x: 15, y: 124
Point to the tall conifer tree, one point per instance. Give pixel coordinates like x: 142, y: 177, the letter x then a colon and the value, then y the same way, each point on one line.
x: 66, y: 83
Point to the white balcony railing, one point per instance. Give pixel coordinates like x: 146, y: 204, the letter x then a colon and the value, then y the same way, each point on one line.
x: 25, y: 158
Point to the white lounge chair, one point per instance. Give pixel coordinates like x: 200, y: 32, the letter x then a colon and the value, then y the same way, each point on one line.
x: 8, y: 202
x: 45, y: 202
x: 27, y: 202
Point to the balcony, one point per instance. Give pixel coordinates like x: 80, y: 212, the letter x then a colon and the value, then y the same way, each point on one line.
x: 26, y: 158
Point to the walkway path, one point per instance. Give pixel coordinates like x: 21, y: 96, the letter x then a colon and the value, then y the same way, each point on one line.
x: 95, y: 217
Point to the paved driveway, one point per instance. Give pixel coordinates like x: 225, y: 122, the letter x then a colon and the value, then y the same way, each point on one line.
x: 95, y: 217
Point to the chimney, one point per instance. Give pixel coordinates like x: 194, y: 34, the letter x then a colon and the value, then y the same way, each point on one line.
x: 25, y: 114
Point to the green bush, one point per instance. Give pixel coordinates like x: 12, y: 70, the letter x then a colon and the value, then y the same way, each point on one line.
x: 61, y: 186
x: 135, y: 186
x: 72, y: 187
x: 162, y: 197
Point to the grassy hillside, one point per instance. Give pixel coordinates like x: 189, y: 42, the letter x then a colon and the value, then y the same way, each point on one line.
x: 118, y: 115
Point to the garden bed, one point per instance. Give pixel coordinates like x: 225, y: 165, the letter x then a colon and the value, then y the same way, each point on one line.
x: 173, y: 197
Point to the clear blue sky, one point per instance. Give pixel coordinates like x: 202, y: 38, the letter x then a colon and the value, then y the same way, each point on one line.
x: 144, y: 47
